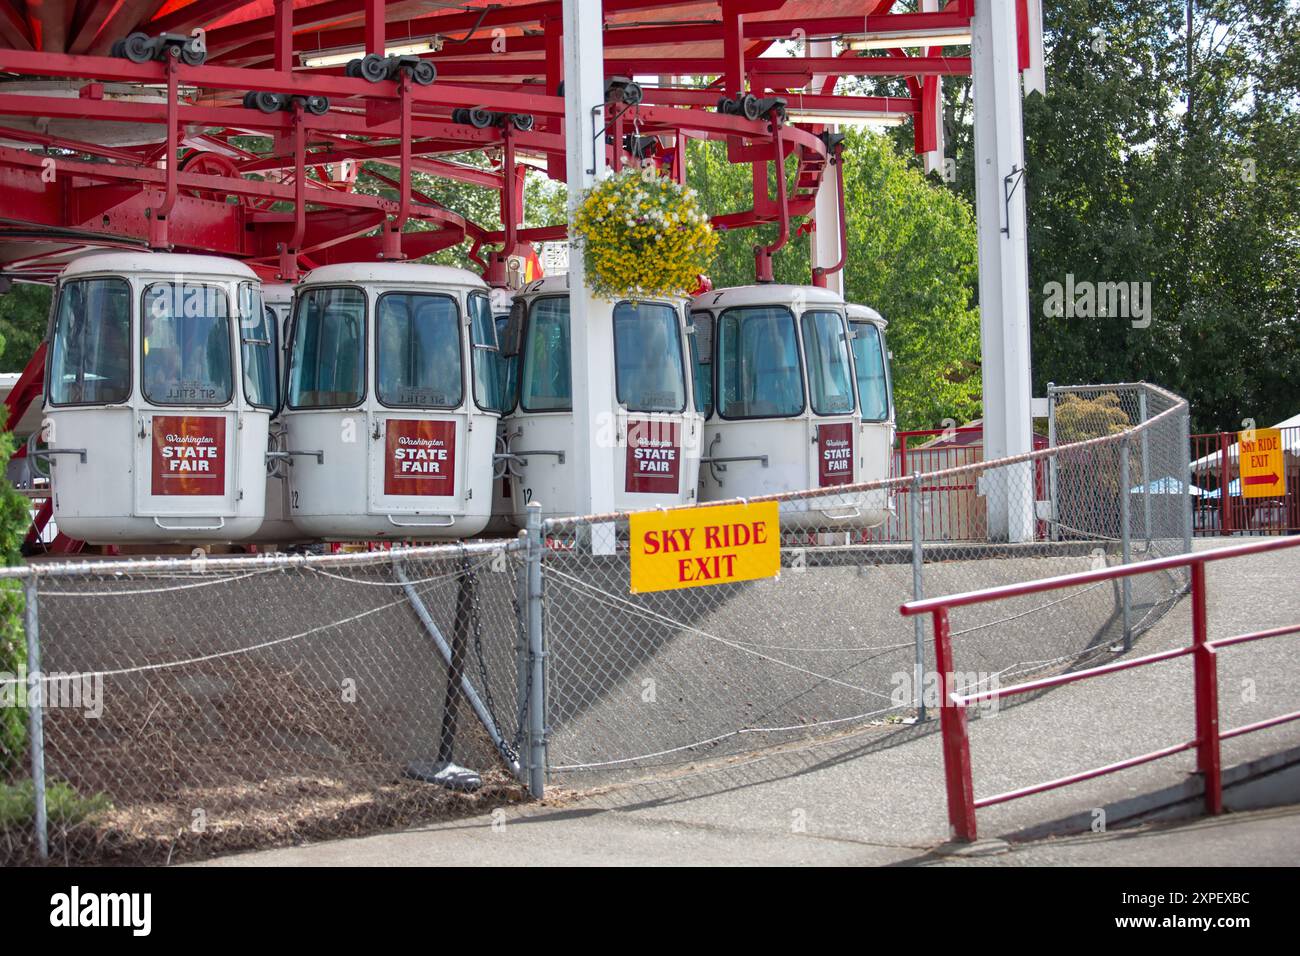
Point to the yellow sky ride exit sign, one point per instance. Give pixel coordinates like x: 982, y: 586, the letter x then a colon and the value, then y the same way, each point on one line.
x: 1263, y: 470
x: 694, y: 547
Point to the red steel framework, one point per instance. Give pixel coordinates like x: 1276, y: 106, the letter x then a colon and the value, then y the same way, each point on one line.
x: 99, y: 150
x: 146, y: 154
x: 962, y: 802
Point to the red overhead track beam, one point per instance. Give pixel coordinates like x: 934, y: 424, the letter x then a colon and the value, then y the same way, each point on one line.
x: 459, y: 137
x: 709, y: 98
x: 115, y: 69
x: 714, y: 66
x: 249, y: 38
x: 615, y: 35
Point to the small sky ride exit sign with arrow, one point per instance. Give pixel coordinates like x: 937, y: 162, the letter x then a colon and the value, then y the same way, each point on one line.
x: 1263, y: 469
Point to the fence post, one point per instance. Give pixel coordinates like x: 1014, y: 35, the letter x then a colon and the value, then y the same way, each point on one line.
x: 1054, y: 524
x: 536, y: 658
x: 956, y: 744
x: 1126, y: 586
x: 1188, y: 503
x: 36, y: 716
x: 1146, y: 471
x: 918, y: 666
x: 1206, y: 680
x: 1225, y: 507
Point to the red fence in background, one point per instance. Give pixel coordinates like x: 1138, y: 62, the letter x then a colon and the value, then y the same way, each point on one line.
x: 1214, y: 469
x: 951, y: 508
x: 962, y: 802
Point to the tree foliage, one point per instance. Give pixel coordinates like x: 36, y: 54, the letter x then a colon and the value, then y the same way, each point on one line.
x: 912, y: 257
x: 1150, y: 165
x: 23, y: 314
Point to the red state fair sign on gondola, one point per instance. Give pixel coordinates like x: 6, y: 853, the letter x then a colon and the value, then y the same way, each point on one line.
x: 420, y: 458
x: 189, y: 455
x: 835, y: 460
x: 654, y: 457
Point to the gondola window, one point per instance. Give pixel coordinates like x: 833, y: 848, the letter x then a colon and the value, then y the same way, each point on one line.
x: 546, y: 383
x: 328, y: 358
x: 648, y: 358
x: 186, y: 344
x: 758, y: 371
x: 90, y: 362
x: 873, y: 386
x: 419, y: 351
x: 825, y: 343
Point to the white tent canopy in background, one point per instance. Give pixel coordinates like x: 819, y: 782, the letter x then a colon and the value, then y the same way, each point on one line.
x: 1168, y: 486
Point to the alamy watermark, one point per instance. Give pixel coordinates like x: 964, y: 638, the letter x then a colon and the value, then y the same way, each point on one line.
x: 1102, y: 300
x: 73, y: 691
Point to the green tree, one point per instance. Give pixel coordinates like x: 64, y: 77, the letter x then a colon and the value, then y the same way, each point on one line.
x: 24, y: 311
x: 912, y: 256
x: 1150, y: 163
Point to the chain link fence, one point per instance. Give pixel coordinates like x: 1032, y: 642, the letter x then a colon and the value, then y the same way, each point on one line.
x: 197, y: 706
x: 652, y: 683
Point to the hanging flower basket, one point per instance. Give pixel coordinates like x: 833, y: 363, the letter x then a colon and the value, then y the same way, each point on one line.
x: 643, y: 236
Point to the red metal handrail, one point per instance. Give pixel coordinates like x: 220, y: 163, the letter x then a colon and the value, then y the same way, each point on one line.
x: 962, y: 802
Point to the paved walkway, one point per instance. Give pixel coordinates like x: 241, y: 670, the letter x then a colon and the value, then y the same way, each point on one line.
x: 877, y: 797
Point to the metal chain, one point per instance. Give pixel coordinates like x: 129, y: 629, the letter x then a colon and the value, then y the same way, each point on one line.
x: 511, y: 750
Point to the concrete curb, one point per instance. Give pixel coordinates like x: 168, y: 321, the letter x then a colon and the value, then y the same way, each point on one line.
x: 1267, y: 781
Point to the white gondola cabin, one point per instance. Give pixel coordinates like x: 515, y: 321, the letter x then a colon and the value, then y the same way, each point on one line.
x: 875, y: 390
x: 651, y: 420
x: 777, y: 369
x: 391, y: 403
x: 160, y: 384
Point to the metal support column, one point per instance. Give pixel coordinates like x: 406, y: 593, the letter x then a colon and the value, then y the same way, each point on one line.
x: 1003, y: 264
x: 591, y: 326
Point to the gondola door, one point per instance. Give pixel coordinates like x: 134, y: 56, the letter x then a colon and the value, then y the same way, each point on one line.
x: 417, y: 429
x: 187, y: 468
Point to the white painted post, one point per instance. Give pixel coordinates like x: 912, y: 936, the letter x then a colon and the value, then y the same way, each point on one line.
x: 591, y: 326
x: 1003, y: 265
x: 825, y: 247
x: 933, y: 159
x: 1036, y: 72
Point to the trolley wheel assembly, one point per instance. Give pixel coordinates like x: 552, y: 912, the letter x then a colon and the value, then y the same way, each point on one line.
x: 376, y: 68
x: 276, y: 102
x: 264, y: 102
x: 623, y: 89
x: 137, y: 48
x: 372, y: 67
x: 752, y: 107
x: 481, y: 118
x: 191, y: 55
x: 424, y: 72
x: 641, y: 146
x: 141, y: 48
x: 477, y: 117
